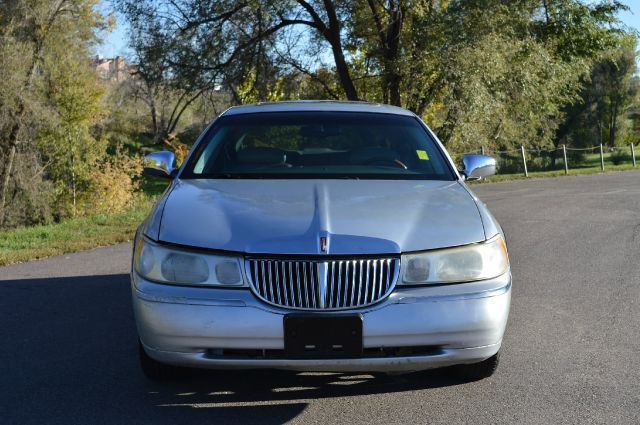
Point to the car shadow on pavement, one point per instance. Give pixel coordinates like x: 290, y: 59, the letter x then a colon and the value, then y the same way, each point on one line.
x: 69, y: 355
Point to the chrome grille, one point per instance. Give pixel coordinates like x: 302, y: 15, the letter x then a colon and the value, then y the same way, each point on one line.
x: 322, y: 284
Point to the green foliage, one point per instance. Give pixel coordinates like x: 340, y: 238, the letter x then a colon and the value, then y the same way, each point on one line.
x: 511, y: 69
x: 620, y: 156
x: 605, y: 112
x: 502, y: 90
x: 486, y: 73
x: 67, y: 144
x: 481, y: 72
x: 52, y: 158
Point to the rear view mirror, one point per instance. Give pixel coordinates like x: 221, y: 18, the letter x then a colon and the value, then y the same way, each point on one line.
x: 160, y: 164
x: 478, y: 166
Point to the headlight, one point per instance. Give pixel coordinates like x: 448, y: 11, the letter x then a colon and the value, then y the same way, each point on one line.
x: 182, y: 267
x: 480, y: 261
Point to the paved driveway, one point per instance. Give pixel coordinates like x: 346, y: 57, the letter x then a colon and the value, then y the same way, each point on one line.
x: 571, y: 353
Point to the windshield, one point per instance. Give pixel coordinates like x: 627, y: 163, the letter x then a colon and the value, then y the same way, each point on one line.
x: 320, y: 145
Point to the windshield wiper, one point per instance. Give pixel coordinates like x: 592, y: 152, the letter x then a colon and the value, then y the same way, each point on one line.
x: 232, y: 176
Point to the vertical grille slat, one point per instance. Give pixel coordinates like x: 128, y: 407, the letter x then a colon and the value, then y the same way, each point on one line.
x: 306, y: 291
x: 282, y: 267
x: 296, y: 283
x: 263, y: 279
x: 298, y: 288
x: 331, y: 284
x: 277, y: 281
x: 338, y: 303
x: 346, y: 283
x: 388, y: 272
x: 352, y: 282
x: 380, y: 281
x: 314, y: 287
x: 270, y: 280
x: 373, y: 280
x: 359, y: 291
x: 367, y: 296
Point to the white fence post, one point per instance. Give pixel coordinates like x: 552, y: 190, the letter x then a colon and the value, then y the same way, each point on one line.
x: 601, y: 158
x: 524, y: 161
x: 633, y: 155
x: 564, y: 152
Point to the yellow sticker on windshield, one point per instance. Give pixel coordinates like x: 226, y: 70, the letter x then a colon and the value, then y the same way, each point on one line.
x: 423, y: 155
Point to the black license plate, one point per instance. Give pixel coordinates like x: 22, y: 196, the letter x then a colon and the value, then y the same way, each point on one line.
x: 322, y: 336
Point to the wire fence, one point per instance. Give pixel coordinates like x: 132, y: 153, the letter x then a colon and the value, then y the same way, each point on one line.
x: 525, y: 161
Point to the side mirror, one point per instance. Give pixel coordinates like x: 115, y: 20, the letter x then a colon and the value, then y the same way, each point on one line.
x: 160, y: 164
x: 478, y: 166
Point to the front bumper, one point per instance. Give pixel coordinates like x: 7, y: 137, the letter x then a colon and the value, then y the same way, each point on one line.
x: 462, y: 323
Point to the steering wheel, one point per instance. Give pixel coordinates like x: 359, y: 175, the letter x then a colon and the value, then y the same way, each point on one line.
x: 386, y: 162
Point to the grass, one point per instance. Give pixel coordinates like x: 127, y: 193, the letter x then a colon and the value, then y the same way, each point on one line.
x: 557, y: 173
x: 79, y: 233
x: 71, y: 235
x: 589, y: 164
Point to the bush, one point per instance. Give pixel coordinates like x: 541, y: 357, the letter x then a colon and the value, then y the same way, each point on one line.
x: 179, y: 149
x: 576, y: 158
x: 115, y: 183
x: 619, y: 156
x: 539, y: 161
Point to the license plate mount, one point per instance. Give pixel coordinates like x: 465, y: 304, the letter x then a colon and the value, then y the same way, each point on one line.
x: 323, y: 335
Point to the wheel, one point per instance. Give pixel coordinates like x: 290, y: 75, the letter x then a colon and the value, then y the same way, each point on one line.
x: 153, y: 369
x: 477, y: 371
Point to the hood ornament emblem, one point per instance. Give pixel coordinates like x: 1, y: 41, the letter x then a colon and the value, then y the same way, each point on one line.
x: 324, y: 244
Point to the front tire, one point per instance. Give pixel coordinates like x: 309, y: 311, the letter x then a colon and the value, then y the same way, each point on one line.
x: 477, y: 371
x: 153, y: 369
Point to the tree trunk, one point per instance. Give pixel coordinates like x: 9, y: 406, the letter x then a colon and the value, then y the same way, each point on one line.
x: 5, y: 182
x: 17, y: 127
x: 73, y: 184
x: 343, y: 71
x: 154, y: 122
x: 332, y: 35
x: 394, y: 89
x: 393, y: 48
x: 612, y: 125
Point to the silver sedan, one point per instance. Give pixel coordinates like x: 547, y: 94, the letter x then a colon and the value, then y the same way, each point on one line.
x: 320, y: 236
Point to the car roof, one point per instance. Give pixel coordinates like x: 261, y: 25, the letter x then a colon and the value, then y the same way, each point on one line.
x: 317, y: 105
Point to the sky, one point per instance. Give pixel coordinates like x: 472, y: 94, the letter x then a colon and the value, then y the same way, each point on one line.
x: 115, y: 42
x: 632, y: 17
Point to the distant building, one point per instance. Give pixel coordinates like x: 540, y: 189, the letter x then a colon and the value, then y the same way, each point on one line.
x: 114, y: 69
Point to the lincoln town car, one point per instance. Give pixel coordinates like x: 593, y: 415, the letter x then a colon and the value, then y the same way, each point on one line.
x: 320, y: 236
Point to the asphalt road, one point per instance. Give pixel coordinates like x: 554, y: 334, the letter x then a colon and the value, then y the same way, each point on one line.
x: 571, y: 353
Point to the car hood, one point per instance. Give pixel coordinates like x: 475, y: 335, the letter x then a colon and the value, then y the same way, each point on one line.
x: 291, y: 216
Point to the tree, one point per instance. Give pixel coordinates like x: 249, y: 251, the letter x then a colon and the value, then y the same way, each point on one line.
x: 66, y: 143
x: 220, y: 31
x: 510, y: 70
x: 614, y: 78
x: 607, y: 96
x: 482, y: 71
x: 29, y: 30
x: 168, y: 90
